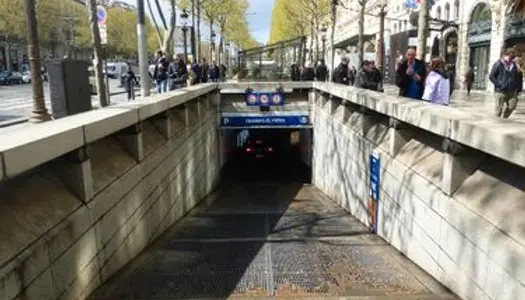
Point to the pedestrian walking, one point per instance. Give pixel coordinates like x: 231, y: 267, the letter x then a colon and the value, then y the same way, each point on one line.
x: 469, y: 79
x: 437, y: 83
x: 321, y: 71
x: 508, y: 83
x: 308, y: 72
x: 130, y: 81
x: 160, y: 74
x: 341, y: 73
x: 410, y: 76
x: 214, y: 72
x: 204, y: 71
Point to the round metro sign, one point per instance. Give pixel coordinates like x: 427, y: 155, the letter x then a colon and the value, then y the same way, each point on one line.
x: 101, y: 15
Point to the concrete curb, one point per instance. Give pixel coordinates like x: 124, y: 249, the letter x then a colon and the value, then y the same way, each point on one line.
x: 13, y: 121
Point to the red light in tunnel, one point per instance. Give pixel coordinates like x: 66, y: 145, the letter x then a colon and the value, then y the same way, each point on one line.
x: 269, y: 149
x: 249, y: 150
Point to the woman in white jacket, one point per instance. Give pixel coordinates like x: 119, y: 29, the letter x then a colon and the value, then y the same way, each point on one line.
x: 437, y: 84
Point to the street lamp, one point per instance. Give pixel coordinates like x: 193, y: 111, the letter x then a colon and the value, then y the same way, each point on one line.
x: 184, y: 18
x: 382, y: 15
x: 324, y: 29
x: 227, y: 48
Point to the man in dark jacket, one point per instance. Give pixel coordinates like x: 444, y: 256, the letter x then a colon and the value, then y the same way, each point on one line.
x: 375, y: 78
x: 308, y: 73
x: 508, y: 83
x: 205, y: 71
x: 410, y: 76
x: 321, y: 71
x: 295, y: 72
x: 161, y: 72
x: 341, y: 73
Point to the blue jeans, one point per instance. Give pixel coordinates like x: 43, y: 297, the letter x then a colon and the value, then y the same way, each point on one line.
x: 162, y: 86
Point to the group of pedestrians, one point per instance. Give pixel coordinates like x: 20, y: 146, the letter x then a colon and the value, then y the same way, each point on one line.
x: 436, y: 84
x: 178, y: 74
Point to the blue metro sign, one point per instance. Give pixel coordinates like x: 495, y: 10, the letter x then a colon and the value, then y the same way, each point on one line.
x: 264, y: 99
x: 270, y: 120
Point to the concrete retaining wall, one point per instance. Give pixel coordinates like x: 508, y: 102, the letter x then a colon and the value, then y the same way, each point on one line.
x: 468, y: 237
x: 72, y: 222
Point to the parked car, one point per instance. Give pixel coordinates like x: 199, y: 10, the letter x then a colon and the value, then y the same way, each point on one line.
x: 8, y: 77
x: 26, y: 77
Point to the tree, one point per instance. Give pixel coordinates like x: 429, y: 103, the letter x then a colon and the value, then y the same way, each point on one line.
x: 515, y: 6
x: 40, y: 113
x: 231, y: 12
x: 361, y: 42
x: 169, y: 28
x: 423, y: 29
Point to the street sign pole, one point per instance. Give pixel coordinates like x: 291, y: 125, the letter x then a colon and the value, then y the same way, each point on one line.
x: 102, y: 17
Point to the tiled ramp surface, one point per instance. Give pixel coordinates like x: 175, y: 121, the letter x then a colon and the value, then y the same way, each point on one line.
x: 269, y: 240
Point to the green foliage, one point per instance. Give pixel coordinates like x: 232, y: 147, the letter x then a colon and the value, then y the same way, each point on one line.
x: 293, y: 18
x: 60, y: 21
x: 229, y: 16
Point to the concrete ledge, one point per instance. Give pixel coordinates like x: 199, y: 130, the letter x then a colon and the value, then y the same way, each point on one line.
x: 107, y: 121
x: 240, y: 87
x: 26, y: 149
x: 498, y: 137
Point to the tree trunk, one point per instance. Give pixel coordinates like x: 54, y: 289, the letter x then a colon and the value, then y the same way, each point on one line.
x: 199, y: 45
x: 311, y: 46
x: 161, y: 14
x: 332, y: 39
x: 168, y: 35
x: 422, y: 33
x: 97, y: 53
x: 361, y: 43
x: 212, y: 43
x: 39, y: 113
x: 317, y: 41
x: 159, y: 35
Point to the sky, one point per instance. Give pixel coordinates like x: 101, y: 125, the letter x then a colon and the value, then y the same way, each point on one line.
x: 259, y: 17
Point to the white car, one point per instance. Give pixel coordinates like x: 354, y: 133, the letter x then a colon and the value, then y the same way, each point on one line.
x: 26, y: 77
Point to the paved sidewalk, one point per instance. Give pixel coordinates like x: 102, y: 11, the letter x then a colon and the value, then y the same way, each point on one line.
x: 480, y: 103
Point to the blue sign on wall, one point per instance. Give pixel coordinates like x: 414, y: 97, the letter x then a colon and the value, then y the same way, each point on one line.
x: 375, y: 180
x: 264, y: 99
x: 270, y: 120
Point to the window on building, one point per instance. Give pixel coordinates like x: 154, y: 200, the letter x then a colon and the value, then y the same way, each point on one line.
x: 400, y: 26
x: 456, y: 10
x: 395, y: 28
x: 438, y: 13
x: 447, y: 12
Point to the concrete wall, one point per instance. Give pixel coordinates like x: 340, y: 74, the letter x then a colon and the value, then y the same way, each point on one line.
x: 454, y: 210
x: 82, y: 196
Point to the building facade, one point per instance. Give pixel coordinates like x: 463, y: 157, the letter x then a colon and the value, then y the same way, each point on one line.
x: 466, y: 33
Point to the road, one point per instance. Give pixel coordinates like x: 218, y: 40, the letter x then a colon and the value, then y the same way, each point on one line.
x: 16, y: 100
x: 266, y: 236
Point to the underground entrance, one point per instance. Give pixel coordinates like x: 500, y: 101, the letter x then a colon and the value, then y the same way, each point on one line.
x: 267, y: 232
x: 278, y: 156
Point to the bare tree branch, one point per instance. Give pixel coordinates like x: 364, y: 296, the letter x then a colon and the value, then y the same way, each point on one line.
x: 161, y: 14
x: 157, y: 29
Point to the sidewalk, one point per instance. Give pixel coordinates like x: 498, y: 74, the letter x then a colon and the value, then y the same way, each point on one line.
x: 480, y: 103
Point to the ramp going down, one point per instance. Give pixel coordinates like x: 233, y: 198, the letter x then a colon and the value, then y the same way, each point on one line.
x: 270, y: 239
